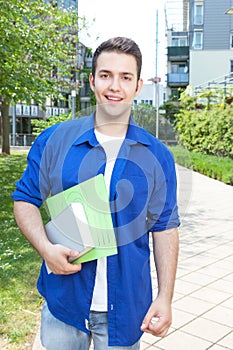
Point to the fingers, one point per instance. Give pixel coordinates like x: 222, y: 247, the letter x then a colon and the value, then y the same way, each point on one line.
x: 156, y: 326
x: 58, y: 260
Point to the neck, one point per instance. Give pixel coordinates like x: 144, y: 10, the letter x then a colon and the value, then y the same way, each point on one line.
x: 114, y: 127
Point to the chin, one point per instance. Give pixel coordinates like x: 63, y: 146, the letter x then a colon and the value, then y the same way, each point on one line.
x: 114, y: 111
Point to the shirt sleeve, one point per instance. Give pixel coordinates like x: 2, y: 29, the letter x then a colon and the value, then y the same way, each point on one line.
x: 163, y: 208
x: 31, y: 188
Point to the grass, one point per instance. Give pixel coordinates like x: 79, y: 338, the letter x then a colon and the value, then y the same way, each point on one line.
x: 19, y: 265
x: 214, y: 167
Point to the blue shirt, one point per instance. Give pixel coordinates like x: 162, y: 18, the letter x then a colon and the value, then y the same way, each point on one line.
x: 142, y: 200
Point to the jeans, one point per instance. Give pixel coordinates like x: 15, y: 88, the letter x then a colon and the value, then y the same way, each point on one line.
x: 57, y: 335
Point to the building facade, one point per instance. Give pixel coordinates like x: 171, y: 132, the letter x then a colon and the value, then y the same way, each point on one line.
x: 211, y: 41
x: 177, y: 63
x: 200, y: 53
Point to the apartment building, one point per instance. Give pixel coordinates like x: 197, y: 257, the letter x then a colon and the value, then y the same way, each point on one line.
x: 177, y: 63
x: 200, y: 51
x: 211, y: 41
x: 177, y: 20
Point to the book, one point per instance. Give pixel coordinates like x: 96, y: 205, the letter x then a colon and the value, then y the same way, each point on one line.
x: 70, y: 228
x: 81, y: 220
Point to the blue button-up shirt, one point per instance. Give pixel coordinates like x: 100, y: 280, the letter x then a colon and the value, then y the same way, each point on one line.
x: 142, y: 200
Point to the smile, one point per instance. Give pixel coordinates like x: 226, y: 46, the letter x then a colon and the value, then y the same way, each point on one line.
x: 113, y: 98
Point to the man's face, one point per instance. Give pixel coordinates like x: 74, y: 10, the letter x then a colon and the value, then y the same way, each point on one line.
x: 115, y: 84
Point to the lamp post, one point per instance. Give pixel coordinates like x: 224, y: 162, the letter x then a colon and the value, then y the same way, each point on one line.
x: 73, y: 103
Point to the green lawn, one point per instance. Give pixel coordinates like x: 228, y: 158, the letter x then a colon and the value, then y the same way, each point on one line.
x: 19, y: 265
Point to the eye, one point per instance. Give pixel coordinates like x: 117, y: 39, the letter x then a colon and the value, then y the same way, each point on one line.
x: 127, y: 77
x: 104, y: 75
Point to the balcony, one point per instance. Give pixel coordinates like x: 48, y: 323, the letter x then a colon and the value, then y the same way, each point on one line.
x: 177, y: 79
x: 177, y: 53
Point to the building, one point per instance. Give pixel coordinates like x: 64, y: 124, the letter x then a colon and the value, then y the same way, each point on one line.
x: 211, y: 41
x: 177, y: 21
x: 200, y: 48
x: 150, y: 95
x: 177, y: 63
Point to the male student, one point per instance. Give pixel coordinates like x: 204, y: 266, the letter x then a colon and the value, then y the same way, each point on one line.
x: 108, y: 300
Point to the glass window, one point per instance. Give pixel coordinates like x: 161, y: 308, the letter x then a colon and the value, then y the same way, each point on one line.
x: 175, y: 42
x: 198, y: 14
x: 174, y: 68
x: 231, y: 66
x: 179, y: 41
x: 183, y: 42
x: 198, y: 40
x: 231, y: 41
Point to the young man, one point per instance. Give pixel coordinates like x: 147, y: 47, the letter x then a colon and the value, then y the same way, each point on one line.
x: 109, y: 300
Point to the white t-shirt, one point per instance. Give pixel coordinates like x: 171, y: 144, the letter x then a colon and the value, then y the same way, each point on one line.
x: 111, y: 145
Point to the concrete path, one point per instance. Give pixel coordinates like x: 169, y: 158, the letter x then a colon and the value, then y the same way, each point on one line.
x: 203, y: 300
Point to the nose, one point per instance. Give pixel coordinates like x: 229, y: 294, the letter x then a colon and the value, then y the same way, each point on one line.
x: 115, y: 84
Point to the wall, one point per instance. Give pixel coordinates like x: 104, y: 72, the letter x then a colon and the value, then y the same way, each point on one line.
x: 208, y: 65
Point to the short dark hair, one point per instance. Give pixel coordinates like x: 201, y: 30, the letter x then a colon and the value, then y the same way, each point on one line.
x: 120, y: 45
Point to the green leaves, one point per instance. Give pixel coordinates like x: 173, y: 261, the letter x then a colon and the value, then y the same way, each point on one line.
x: 35, y: 38
x: 208, y: 130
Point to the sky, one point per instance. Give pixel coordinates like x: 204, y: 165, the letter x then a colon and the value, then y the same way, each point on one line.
x: 136, y: 20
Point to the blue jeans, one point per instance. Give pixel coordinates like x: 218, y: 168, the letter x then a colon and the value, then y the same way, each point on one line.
x: 56, y: 335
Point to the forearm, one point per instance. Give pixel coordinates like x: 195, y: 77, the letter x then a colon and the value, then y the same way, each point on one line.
x: 165, y: 247
x: 29, y: 221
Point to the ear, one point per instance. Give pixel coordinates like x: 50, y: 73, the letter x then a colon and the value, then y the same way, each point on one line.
x: 139, y: 87
x: 92, y: 82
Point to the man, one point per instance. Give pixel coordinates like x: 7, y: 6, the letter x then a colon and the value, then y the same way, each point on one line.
x: 109, y: 300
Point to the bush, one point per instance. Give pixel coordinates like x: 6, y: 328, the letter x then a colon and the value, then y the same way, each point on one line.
x: 212, y: 166
x: 209, y: 131
x: 40, y: 124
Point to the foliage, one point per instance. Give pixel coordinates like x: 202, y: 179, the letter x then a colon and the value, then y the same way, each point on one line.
x: 207, y: 129
x: 38, y: 53
x: 19, y: 265
x: 215, y: 167
x: 40, y: 124
x: 145, y: 116
x: 171, y: 108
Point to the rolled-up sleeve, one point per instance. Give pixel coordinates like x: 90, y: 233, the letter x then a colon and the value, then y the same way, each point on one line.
x: 28, y: 188
x: 163, y: 208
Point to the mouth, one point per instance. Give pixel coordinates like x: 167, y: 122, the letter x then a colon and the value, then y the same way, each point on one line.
x: 113, y: 99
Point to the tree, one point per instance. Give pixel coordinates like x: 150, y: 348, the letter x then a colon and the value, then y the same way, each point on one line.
x: 38, y: 53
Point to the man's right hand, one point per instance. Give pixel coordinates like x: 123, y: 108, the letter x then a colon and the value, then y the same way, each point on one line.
x: 57, y: 260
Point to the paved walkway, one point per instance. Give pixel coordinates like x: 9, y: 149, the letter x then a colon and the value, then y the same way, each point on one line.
x: 203, y: 300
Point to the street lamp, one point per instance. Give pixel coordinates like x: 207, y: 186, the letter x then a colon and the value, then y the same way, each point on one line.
x: 229, y: 11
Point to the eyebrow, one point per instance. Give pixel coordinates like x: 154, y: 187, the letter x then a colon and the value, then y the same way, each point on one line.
x: 108, y: 71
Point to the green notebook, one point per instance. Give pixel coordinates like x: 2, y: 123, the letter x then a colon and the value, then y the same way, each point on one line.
x: 93, y: 197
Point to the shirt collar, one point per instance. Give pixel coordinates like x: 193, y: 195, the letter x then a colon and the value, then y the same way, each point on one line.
x: 135, y: 134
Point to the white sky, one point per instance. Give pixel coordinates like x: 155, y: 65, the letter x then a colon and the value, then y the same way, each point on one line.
x: 136, y: 20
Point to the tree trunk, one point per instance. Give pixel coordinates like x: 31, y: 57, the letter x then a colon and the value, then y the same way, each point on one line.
x: 5, y: 106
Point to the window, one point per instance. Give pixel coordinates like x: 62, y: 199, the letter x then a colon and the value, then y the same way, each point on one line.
x: 179, y: 41
x: 179, y: 68
x: 231, y: 40
x: 198, y: 14
x: 231, y: 66
x: 198, y: 40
